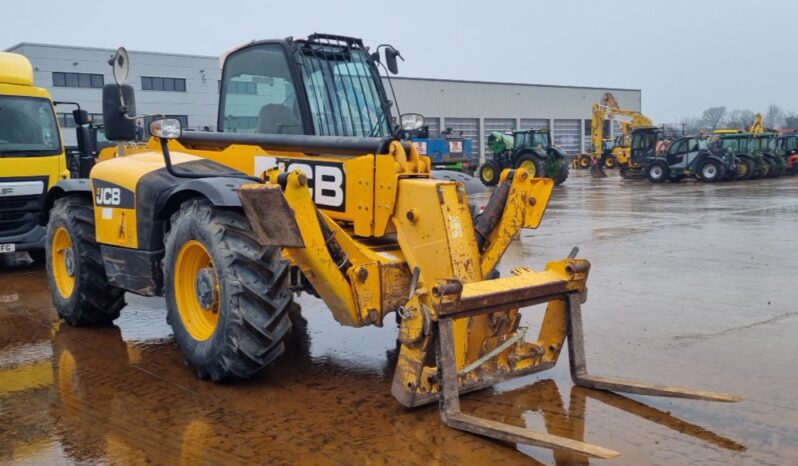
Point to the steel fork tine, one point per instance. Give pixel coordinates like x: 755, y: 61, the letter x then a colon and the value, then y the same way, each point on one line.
x: 453, y: 417
x: 580, y: 376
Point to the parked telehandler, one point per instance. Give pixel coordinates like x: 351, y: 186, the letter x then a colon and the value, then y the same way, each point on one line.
x: 530, y: 149
x: 227, y: 226
x: 688, y: 156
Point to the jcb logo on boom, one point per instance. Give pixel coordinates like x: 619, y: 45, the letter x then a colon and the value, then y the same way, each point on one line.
x: 327, y: 180
x: 108, y: 196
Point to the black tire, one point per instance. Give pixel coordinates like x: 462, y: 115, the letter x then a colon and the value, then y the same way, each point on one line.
x: 745, y: 168
x: 710, y: 171
x: 526, y: 159
x: 609, y: 161
x: 38, y: 256
x: 492, y: 168
x: 657, y: 172
x: 562, y: 171
x: 583, y: 161
x: 93, y: 301
x: 253, y: 300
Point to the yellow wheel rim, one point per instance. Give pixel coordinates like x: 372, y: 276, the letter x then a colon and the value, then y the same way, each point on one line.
x: 192, y: 260
x: 609, y: 163
x: 529, y: 166
x: 63, y: 262
x: 584, y: 162
x: 488, y: 174
x: 742, y: 169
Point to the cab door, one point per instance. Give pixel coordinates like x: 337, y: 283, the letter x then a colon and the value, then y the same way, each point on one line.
x: 677, y: 153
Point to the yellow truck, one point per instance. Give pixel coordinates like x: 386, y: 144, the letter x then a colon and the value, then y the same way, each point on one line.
x: 31, y: 156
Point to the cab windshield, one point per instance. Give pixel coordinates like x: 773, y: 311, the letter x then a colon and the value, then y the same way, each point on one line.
x: 28, y: 127
x: 540, y: 139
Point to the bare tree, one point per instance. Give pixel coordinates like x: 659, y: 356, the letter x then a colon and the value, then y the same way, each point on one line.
x: 713, y: 118
x: 740, y: 119
x: 774, y: 118
x: 791, y: 120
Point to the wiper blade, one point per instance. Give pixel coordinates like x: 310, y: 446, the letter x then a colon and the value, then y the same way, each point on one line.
x: 27, y: 151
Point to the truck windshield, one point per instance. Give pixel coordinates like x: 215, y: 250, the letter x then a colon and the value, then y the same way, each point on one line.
x: 342, y: 91
x: 28, y: 127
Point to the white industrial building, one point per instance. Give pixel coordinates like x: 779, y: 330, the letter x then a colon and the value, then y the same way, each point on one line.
x: 187, y: 86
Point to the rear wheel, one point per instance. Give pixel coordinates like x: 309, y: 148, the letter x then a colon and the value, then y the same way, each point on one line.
x: 531, y: 164
x: 657, y: 172
x: 227, y: 296
x: 75, y: 271
x: 489, y: 173
x: 610, y: 162
x: 710, y: 171
x: 745, y: 168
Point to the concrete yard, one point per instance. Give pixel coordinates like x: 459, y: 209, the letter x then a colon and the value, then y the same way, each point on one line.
x: 692, y: 284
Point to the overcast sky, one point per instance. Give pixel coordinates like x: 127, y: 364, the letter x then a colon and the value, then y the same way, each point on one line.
x: 684, y: 55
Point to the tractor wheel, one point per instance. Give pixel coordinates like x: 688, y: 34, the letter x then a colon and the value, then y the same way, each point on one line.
x: 227, y: 297
x: 745, y: 169
x: 657, y: 172
x: 531, y: 164
x: 710, y: 171
x: 561, y: 171
x: 75, y: 271
x: 610, y: 162
x: 489, y: 173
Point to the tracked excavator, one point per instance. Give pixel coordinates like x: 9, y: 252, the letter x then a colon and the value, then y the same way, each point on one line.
x: 307, y: 188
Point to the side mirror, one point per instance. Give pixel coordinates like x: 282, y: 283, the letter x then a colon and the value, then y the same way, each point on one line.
x: 119, y: 108
x: 81, y: 117
x: 411, y: 121
x: 390, y: 59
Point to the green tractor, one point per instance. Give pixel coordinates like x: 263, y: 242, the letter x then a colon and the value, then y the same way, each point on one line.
x: 754, y: 152
x: 530, y: 149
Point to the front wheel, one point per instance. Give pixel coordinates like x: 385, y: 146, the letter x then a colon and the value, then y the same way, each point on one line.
x: 489, y: 173
x: 610, y: 162
x: 657, y: 173
x: 227, y: 296
x: 75, y: 271
x: 710, y: 171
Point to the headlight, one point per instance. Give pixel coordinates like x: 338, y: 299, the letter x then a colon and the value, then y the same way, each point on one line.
x: 166, y: 128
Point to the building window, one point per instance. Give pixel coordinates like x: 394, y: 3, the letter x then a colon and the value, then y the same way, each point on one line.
x: 242, y: 87
x: 87, y: 80
x: 155, y: 83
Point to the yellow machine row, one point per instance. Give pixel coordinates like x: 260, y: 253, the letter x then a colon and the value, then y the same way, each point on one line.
x: 227, y: 226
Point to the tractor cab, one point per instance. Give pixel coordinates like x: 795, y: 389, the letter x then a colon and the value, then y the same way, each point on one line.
x: 787, y: 148
x: 538, y: 140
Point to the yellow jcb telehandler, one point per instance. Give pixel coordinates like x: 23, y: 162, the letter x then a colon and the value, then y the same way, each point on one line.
x: 306, y: 188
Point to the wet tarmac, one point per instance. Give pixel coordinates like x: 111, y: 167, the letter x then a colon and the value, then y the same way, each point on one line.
x: 692, y: 285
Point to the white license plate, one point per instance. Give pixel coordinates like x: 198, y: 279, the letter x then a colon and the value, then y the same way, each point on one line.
x: 7, y: 248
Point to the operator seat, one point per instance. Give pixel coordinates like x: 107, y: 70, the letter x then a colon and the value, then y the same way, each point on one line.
x: 278, y: 119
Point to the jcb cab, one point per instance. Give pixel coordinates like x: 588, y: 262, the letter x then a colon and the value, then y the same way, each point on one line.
x: 228, y: 226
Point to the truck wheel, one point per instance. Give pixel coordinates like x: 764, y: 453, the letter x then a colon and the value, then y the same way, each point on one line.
x: 657, y: 173
x: 710, y: 171
x: 227, y: 297
x: 489, y: 173
x: 75, y: 271
x: 531, y: 164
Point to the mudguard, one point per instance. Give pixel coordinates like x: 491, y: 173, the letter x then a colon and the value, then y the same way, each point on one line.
x: 63, y: 188
x: 221, y: 191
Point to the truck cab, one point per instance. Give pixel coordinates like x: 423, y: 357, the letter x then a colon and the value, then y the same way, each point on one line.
x: 31, y: 156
